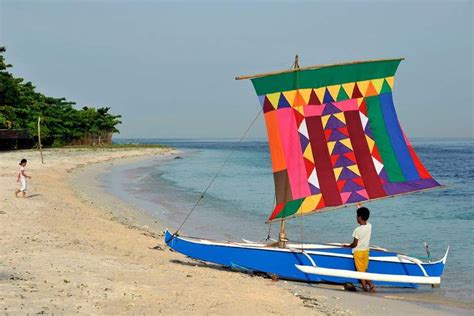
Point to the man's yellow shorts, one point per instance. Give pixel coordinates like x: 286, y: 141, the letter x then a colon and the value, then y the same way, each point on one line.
x: 361, y: 260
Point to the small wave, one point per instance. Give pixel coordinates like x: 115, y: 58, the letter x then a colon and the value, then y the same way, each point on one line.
x: 467, y: 216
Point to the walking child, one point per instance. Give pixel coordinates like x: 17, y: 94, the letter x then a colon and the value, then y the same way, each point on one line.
x: 22, y: 176
x: 360, y: 246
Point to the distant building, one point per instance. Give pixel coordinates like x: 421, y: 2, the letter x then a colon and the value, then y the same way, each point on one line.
x: 11, y: 139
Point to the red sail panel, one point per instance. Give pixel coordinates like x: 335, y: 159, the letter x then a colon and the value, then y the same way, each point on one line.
x: 322, y: 162
x: 422, y: 171
x: 362, y: 154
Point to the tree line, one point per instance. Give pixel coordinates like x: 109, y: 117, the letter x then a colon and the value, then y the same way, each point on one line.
x: 61, y: 123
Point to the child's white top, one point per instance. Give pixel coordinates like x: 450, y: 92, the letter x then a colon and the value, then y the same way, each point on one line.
x: 21, y: 172
x: 362, y: 233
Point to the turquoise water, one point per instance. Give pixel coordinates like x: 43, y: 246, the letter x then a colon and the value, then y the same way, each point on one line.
x: 241, y: 199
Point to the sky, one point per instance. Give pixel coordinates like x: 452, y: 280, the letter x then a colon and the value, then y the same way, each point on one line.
x: 168, y: 67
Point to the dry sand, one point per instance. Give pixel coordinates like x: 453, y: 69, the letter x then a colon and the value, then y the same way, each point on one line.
x: 71, y: 248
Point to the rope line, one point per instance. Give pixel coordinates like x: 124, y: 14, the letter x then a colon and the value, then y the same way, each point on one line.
x: 270, y: 225
x: 215, y: 176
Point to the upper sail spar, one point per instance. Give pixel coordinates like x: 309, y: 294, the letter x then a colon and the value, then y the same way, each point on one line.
x: 335, y: 138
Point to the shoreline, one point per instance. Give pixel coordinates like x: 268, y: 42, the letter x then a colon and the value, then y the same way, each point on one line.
x: 306, y: 292
x: 86, y: 183
x: 63, y: 251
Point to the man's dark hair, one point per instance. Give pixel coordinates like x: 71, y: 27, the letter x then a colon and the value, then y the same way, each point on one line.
x: 23, y: 161
x: 363, y: 212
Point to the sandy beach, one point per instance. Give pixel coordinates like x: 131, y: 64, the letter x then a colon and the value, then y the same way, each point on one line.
x: 71, y: 248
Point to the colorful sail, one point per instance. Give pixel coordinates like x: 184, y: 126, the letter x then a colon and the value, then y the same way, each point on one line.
x: 335, y: 138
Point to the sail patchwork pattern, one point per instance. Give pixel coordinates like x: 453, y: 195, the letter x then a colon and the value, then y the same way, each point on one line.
x: 335, y: 139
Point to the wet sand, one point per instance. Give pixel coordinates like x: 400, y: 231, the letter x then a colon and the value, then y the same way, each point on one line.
x: 72, y: 248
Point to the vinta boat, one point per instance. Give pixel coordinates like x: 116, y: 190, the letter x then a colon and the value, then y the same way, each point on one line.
x: 334, y: 140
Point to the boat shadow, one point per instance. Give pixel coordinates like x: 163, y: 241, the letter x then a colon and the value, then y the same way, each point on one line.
x: 202, y: 264
x: 323, y: 285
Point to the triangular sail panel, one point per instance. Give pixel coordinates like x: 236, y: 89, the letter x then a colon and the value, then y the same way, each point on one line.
x: 335, y: 139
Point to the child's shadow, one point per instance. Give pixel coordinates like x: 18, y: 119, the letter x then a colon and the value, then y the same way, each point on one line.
x: 32, y: 195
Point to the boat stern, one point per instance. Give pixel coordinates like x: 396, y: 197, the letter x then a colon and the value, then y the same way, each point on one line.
x: 445, y: 257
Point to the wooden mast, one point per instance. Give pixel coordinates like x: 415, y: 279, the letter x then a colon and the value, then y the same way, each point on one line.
x: 282, y: 236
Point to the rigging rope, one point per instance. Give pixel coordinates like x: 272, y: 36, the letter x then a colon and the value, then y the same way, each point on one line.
x: 215, y: 176
x: 270, y: 224
x: 269, y: 235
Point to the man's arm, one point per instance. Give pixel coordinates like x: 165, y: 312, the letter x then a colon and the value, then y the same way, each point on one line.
x: 353, y: 245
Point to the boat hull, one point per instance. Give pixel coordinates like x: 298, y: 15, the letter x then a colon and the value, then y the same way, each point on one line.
x: 284, y: 262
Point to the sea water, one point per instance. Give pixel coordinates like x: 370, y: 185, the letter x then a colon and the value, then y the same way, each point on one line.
x: 241, y: 198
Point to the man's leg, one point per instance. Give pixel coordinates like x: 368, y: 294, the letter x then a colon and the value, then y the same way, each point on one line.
x: 364, y: 285
x: 361, y: 260
x: 371, y: 287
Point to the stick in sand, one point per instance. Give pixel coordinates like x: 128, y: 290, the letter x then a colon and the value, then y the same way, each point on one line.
x: 39, y: 139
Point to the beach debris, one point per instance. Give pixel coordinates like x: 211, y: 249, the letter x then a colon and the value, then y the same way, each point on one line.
x: 16, y: 278
x: 350, y: 287
x: 158, y: 247
x: 309, y: 302
x: 275, y: 278
x: 152, y: 234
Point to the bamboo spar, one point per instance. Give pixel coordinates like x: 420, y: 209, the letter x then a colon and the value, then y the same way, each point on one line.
x: 332, y: 208
x: 310, y: 68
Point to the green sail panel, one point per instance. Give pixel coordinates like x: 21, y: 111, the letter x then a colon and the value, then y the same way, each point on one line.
x: 325, y: 76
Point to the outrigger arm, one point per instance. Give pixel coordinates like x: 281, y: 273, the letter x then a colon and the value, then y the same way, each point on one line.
x: 425, y: 279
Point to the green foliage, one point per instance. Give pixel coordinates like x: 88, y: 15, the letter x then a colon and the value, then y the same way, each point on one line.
x: 123, y: 146
x: 21, y: 105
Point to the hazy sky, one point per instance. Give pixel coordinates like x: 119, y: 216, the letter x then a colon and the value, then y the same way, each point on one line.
x: 169, y: 67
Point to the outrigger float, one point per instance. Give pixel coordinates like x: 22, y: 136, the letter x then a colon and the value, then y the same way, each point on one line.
x: 335, y: 140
